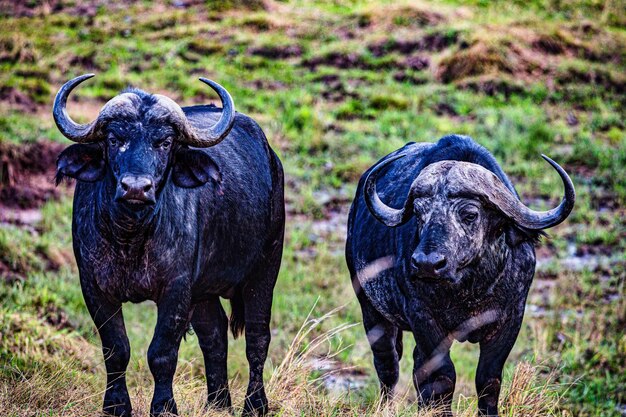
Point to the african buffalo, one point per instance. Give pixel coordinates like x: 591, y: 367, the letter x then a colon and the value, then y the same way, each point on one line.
x: 455, y: 260
x: 181, y: 206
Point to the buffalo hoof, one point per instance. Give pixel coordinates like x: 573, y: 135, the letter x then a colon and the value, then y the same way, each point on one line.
x: 493, y: 412
x: 386, y: 393
x: 163, y: 407
x: 256, y: 404
x: 488, y: 401
x: 117, y: 405
x: 117, y: 410
x: 219, y: 400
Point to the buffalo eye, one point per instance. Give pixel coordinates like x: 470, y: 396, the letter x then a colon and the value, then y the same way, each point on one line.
x: 113, y: 141
x: 164, y: 144
x: 469, y: 217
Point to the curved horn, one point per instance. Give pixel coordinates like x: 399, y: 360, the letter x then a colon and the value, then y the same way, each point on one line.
x: 211, y: 136
x: 68, y: 127
x: 494, y: 190
x: 389, y: 216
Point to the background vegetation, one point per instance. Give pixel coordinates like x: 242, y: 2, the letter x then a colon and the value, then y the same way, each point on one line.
x: 335, y: 85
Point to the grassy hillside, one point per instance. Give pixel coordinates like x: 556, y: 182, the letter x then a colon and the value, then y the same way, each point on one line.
x: 335, y: 86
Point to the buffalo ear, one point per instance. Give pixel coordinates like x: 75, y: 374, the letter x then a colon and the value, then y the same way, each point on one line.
x: 193, y: 168
x: 515, y: 234
x: 81, y: 162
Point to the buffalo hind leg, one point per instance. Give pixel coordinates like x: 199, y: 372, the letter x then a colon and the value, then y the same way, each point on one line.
x: 210, y: 323
x: 385, y: 340
x: 258, y: 303
x: 257, y: 296
x: 399, y: 344
x: 109, y: 321
x: 172, y: 320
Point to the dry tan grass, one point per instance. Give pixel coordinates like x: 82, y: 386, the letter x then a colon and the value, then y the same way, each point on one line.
x: 406, y: 13
x: 60, y: 370
x: 69, y: 383
x: 530, y: 394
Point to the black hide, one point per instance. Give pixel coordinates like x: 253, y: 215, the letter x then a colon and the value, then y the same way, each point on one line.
x: 460, y: 271
x: 157, y: 220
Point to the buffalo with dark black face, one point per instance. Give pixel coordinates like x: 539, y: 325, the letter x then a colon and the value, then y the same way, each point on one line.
x: 180, y: 206
x: 454, y: 261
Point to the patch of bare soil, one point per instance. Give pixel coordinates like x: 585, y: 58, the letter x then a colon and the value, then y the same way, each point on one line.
x: 548, y: 44
x: 506, y: 64
x: 86, y: 62
x: 55, y: 316
x: 583, y: 41
x: 482, y: 58
x: 8, y: 276
x: 405, y: 77
x: 26, y: 175
x: 390, y: 16
x: 26, y: 183
x: 277, y: 51
x: 612, y: 81
x: 265, y: 85
x: 42, y: 8
x: 34, y: 8
x: 354, y: 60
x: 337, y: 91
x: 416, y: 62
x: 327, y: 78
x: 492, y: 85
x: 17, y: 99
x: 432, y: 42
x: 339, y: 60
x: 338, y: 379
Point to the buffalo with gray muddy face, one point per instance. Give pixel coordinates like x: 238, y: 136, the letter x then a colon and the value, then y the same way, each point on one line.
x: 180, y: 206
x: 440, y: 245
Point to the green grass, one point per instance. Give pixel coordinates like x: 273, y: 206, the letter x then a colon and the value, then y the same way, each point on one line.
x: 522, y: 78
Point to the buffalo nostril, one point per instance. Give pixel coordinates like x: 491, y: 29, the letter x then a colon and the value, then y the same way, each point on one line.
x: 418, y: 261
x: 440, y: 264
x: 428, y: 266
x: 134, y: 186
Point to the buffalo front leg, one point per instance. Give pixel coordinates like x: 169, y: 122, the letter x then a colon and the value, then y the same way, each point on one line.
x: 173, y: 318
x: 434, y: 375
x: 493, y: 354
x: 109, y: 321
x: 210, y: 323
x: 434, y: 379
